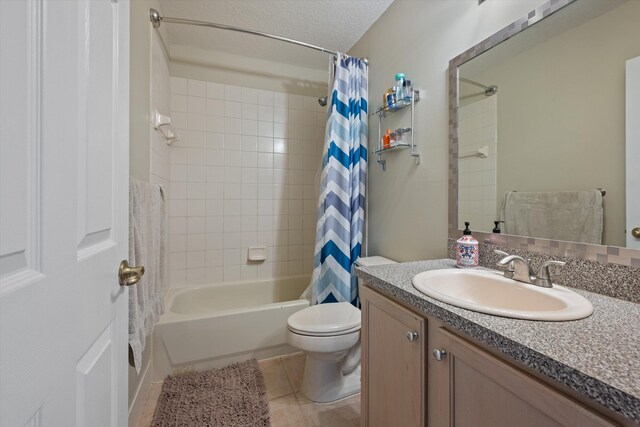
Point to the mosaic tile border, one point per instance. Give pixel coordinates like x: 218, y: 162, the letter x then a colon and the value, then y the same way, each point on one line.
x: 600, y: 253
x: 618, y: 281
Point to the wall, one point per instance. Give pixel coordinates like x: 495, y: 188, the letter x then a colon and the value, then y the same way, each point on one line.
x: 407, y: 203
x: 198, y: 64
x: 570, y: 132
x: 149, y: 153
x: 244, y: 174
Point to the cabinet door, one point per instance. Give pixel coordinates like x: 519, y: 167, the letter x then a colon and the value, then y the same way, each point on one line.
x: 393, y: 363
x: 485, y: 391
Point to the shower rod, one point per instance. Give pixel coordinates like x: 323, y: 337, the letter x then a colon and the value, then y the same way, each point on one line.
x: 156, y: 20
x: 488, y: 90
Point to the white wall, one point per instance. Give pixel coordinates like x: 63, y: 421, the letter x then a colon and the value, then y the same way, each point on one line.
x: 408, y: 204
x: 244, y: 174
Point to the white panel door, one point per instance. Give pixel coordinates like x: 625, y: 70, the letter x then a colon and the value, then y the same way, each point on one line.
x: 633, y: 151
x: 63, y: 212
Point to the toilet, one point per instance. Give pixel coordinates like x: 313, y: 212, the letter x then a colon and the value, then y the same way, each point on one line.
x: 329, y: 334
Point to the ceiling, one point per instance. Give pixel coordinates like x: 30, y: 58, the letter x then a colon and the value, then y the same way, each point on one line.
x: 332, y: 24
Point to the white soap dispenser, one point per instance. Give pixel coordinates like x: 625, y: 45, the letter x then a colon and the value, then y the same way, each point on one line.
x: 466, y: 250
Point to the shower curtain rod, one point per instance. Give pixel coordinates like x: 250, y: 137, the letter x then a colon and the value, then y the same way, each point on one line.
x: 156, y: 20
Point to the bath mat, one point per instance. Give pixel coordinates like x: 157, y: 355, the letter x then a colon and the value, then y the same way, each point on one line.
x: 231, y: 396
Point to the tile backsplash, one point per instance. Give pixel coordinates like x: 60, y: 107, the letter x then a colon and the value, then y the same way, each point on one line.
x: 244, y: 174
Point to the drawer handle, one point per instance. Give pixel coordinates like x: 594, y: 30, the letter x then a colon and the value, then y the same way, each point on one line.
x: 412, y: 336
x: 439, y: 354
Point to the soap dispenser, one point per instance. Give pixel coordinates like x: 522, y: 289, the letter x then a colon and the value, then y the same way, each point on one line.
x: 466, y: 249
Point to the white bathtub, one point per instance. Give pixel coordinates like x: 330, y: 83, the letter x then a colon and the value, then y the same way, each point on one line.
x: 211, y: 326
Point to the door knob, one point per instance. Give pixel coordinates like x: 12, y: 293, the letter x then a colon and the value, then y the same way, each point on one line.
x: 636, y: 232
x: 439, y: 354
x: 128, y: 275
x: 412, y: 336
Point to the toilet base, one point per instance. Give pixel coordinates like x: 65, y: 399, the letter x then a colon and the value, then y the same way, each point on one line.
x: 323, y: 381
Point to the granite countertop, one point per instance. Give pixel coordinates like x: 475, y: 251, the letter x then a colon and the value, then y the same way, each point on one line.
x: 598, y: 357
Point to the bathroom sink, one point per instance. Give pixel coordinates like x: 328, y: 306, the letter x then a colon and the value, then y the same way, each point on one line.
x: 489, y: 292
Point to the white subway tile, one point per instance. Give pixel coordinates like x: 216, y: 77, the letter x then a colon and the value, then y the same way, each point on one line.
x: 249, y: 127
x: 215, y: 274
x: 250, y: 175
x: 231, y: 273
x: 214, y: 258
x: 197, y: 88
x: 233, y: 159
x: 249, y: 96
x: 232, y: 93
x: 177, y: 261
x: 250, y: 207
x: 196, y: 225
x: 215, y: 90
x: 179, y: 103
x: 196, y: 208
x: 215, y: 107
x: 178, y: 243
x: 215, y: 241
x: 265, y: 113
x: 296, y: 101
x: 233, y: 109
x: 265, y: 129
x: 249, y: 143
x: 196, y: 276
x: 196, y: 242
x: 233, y: 125
x: 196, y: 105
x: 214, y: 140
x: 249, y: 111
x: 215, y: 124
x: 265, y: 97
x: 280, y: 99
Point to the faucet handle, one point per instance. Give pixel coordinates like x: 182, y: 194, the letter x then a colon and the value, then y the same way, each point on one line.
x: 511, y: 267
x: 543, y: 277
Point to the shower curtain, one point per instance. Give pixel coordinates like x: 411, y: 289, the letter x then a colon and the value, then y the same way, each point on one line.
x: 342, y: 185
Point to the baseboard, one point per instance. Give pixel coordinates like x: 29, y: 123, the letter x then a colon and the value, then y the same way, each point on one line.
x: 142, y: 393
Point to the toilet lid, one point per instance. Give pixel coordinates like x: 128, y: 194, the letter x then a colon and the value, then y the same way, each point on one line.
x: 326, y: 319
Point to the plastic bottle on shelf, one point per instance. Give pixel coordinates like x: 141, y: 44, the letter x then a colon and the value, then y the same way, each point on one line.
x: 386, y: 139
x: 391, y: 98
x: 407, y: 91
x: 400, y: 79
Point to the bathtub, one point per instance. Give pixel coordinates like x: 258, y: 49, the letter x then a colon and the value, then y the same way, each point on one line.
x: 214, y: 325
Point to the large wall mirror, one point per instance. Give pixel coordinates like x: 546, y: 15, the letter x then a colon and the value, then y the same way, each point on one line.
x: 538, y: 117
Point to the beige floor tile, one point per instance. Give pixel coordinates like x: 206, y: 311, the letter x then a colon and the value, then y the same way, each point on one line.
x: 294, y: 367
x: 344, y: 413
x: 146, y: 417
x: 286, y: 412
x: 275, y: 378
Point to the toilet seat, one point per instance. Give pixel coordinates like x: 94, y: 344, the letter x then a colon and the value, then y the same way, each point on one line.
x: 325, y: 320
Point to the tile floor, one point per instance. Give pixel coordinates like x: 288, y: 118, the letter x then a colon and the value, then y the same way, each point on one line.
x: 288, y: 407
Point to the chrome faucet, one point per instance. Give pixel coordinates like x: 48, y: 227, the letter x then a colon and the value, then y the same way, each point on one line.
x: 519, y: 269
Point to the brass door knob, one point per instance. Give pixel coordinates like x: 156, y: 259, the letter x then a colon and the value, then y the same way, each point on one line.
x: 129, y: 275
x: 636, y: 232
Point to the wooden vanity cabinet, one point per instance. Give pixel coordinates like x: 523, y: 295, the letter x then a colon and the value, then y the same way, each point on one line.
x: 393, y: 363
x: 478, y: 389
x: 404, y: 385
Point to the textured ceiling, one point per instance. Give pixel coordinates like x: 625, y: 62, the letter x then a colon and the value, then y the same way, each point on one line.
x: 332, y: 24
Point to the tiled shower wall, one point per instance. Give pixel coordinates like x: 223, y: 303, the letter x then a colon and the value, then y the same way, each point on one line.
x: 477, y: 176
x: 244, y: 174
x: 160, y: 100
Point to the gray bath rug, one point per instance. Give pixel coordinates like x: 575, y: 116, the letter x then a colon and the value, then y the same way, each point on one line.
x: 227, y: 397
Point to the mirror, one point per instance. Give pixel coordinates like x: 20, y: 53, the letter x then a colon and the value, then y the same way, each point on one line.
x: 541, y: 125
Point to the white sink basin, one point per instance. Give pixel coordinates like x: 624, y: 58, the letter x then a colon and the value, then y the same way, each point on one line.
x: 489, y: 292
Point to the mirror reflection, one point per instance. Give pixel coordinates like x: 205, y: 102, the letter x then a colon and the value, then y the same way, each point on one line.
x: 542, y: 127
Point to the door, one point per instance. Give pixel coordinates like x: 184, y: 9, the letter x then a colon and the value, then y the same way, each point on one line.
x: 633, y: 153
x: 63, y: 212
x: 393, y: 363
x: 484, y: 391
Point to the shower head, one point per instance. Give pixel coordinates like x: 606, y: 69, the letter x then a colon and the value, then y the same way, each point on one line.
x: 322, y: 101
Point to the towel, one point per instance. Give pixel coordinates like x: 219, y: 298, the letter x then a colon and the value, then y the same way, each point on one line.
x: 148, y: 240
x: 574, y: 216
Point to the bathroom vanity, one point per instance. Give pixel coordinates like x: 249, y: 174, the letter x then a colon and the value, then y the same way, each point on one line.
x: 425, y: 362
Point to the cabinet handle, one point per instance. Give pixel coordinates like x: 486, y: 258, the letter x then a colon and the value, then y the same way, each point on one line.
x: 439, y: 354
x: 412, y: 336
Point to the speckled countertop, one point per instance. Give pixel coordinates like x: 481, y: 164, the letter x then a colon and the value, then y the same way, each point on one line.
x: 598, y: 357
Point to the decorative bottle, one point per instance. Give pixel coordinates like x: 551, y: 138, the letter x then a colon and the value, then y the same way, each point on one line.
x: 467, y: 250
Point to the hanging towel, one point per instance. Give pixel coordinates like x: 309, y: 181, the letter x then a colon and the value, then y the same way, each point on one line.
x: 574, y: 216
x: 147, y: 247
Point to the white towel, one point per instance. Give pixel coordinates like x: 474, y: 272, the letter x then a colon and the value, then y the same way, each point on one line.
x: 574, y: 216
x: 147, y: 247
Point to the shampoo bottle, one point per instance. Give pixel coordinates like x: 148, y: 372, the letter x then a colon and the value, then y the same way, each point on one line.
x: 467, y: 250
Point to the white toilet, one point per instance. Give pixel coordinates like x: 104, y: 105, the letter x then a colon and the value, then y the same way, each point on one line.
x: 330, y: 336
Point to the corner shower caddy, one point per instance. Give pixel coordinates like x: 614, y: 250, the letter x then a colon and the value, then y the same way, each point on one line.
x: 381, y: 112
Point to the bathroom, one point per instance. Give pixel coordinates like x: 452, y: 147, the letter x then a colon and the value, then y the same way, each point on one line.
x: 245, y: 175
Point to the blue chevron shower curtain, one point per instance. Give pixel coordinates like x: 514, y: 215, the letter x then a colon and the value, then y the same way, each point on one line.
x: 342, y: 185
